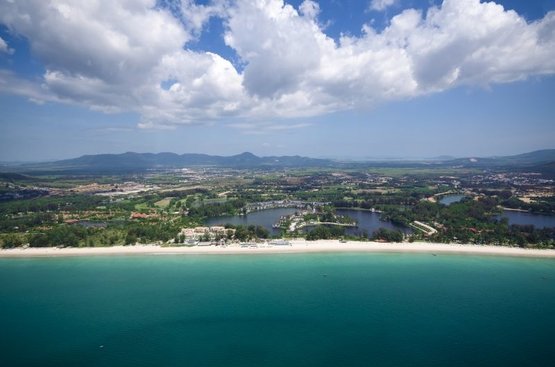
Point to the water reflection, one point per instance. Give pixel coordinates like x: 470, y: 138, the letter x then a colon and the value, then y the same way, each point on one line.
x: 367, y: 221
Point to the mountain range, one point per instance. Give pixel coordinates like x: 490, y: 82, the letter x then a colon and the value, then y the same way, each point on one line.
x: 130, y: 161
x: 526, y: 159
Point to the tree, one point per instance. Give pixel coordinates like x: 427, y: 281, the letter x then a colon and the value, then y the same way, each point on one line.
x: 388, y: 235
x: 39, y: 240
x: 325, y: 232
x: 11, y: 241
x: 261, y: 232
x: 241, y: 233
x: 130, y: 239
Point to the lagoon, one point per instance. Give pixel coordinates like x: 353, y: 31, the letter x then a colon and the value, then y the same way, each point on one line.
x: 523, y: 218
x: 266, y: 218
x: 451, y: 199
x: 367, y: 221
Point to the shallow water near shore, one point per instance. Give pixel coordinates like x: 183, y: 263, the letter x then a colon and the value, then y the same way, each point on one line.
x: 277, y: 310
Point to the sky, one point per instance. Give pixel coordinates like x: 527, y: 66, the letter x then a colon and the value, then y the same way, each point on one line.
x: 339, y: 79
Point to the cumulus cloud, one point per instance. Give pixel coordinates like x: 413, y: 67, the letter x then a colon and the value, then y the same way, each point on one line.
x: 133, y: 56
x: 381, y: 5
x: 309, y: 9
x: 114, y: 56
x: 294, y: 68
x: 277, y: 44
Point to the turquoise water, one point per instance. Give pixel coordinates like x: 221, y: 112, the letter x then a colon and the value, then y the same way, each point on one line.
x: 277, y: 310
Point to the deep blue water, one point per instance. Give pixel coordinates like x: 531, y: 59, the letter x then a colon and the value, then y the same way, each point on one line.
x: 277, y: 310
x: 367, y: 221
x: 450, y: 199
x: 537, y: 220
x: 266, y: 218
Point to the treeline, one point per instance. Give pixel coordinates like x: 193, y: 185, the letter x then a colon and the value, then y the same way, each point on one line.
x: 379, y: 201
x: 325, y: 233
x: 75, y: 236
x: 26, y: 222
x: 229, y: 207
x: 51, y: 204
x: 545, y: 206
x: 60, y: 236
x: 388, y: 235
x: 65, y: 235
x: 150, y: 232
x: 333, y: 232
x: 250, y: 232
x: 255, y: 197
x: 323, y: 194
x: 467, y: 212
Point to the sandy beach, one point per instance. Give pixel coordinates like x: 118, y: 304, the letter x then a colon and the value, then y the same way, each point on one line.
x: 296, y: 246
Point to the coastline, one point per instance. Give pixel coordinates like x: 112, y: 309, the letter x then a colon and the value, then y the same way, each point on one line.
x: 296, y: 247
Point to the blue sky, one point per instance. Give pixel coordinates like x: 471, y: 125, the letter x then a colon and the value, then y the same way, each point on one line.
x: 381, y: 78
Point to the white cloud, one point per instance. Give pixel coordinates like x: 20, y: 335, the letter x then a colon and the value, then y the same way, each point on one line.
x: 192, y: 15
x: 295, y: 69
x: 277, y: 44
x: 380, y: 5
x: 118, y: 42
x: 131, y: 56
x: 4, y: 47
x: 113, y: 56
x: 309, y: 8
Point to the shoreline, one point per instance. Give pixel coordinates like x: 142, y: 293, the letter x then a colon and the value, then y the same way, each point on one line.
x: 296, y: 247
x: 515, y: 210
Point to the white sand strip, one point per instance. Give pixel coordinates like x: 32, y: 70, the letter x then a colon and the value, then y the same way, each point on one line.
x: 297, y: 246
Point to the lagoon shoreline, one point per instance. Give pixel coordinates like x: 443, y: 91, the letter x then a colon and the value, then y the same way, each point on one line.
x: 296, y: 247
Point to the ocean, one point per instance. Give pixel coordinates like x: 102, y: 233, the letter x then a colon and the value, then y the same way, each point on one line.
x: 277, y: 310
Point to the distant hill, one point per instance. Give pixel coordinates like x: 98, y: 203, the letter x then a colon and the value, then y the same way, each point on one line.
x: 547, y: 169
x: 535, y: 158
x: 538, y: 156
x: 128, y: 162
x: 11, y: 177
x: 540, y: 161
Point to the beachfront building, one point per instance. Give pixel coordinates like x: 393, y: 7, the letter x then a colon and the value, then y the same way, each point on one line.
x: 280, y: 243
x: 206, y: 233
